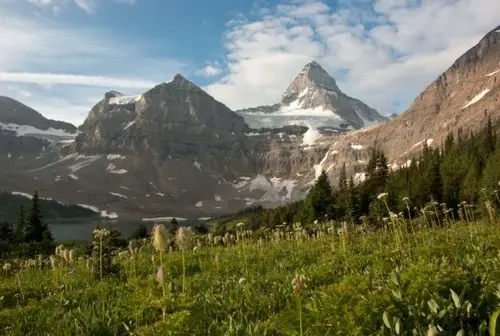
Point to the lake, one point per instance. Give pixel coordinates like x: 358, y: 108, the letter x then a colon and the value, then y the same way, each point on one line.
x: 82, y: 229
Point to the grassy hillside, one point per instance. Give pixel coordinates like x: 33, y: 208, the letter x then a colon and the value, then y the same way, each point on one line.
x: 51, y: 210
x: 280, y: 282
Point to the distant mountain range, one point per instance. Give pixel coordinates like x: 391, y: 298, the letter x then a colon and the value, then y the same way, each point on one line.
x: 176, y: 151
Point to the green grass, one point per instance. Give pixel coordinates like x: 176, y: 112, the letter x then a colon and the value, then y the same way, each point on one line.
x: 443, y: 277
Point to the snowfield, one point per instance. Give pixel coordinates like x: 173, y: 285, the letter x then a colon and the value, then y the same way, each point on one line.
x: 26, y: 130
x: 124, y: 100
x: 477, y: 98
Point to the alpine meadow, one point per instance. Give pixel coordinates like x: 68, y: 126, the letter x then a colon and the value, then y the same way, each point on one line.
x: 278, y: 168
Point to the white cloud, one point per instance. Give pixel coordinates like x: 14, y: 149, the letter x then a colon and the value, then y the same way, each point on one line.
x: 89, y: 6
x: 70, y: 79
x: 66, y: 71
x: 210, y: 70
x: 383, y: 52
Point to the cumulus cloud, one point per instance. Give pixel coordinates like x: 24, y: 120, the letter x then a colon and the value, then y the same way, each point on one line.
x: 210, y: 70
x: 383, y: 52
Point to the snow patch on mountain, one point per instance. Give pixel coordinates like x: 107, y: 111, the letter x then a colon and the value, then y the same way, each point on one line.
x: 310, y: 136
x: 163, y: 219
x: 492, y: 73
x: 129, y: 125
x: 73, y: 176
x: 197, y: 165
x: 112, y: 157
x: 109, y: 215
x: 124, y: 100
x: 199, y: 204
x: 26, y: 130
x: 118, y: 195
x: 318, y: 169
x: 83, y: 161
x: 357, y: 147
x: 477, y: 98
x: 18, y: 193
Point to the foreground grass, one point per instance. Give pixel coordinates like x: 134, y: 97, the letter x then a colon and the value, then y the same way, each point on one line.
x: 446, y: 278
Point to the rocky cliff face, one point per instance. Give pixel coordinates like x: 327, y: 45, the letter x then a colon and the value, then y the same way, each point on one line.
x: 313, y: 99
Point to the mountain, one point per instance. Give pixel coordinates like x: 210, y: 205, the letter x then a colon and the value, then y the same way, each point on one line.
x: 314, y: 100
x: 463, y: 97
x: 171, y: 151
x: 176, y: 151
x: 13, y: 114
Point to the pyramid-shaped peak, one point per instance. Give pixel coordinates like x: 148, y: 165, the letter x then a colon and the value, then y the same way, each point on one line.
x: 313, y: 64
x: 314, y: 75
x: 179, y: 78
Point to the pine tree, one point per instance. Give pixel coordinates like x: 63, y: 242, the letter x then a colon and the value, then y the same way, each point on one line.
x: 174, y: 226
x: 140, y: 232
x: 20, y: 226
x: 36, y: 231
x: 6, y: 232
x: 320, y: 199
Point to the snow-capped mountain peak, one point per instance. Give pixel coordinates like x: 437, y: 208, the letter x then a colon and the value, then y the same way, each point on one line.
x: 314, y: 100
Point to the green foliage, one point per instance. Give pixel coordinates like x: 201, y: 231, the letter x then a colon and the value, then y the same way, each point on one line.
x: 445, y: 279
x: 140, y: 233
x: 52, y: 210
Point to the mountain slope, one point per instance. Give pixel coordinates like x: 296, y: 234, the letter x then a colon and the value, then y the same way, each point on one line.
x: 460, y: 98
x: 13, y: 112
x: 313, y: 99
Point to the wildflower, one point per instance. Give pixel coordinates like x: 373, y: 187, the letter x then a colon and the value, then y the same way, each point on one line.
x: 433, y: 331
x: 52, y: 261
x: 182, y: 237
x: 315, y: 222
x: 7, y: 267
x: 241, y: 281
x: 240, y: 224
x: 195, y: 249
x: 298, y: 283
x: 71, y: 256
x: 382, y: 196
x: 160, y: 276
x: 160, y: 237
x: 406, y: 199
x: 132, y: 247
x: 65, y: 254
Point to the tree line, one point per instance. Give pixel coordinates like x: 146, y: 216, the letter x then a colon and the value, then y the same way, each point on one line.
x: 29, y: 232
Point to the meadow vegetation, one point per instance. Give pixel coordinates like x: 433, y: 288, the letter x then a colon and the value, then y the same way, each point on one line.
x: 410, y: 252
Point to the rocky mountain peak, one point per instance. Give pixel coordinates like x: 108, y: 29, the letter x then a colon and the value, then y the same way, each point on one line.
x: 15, y: 112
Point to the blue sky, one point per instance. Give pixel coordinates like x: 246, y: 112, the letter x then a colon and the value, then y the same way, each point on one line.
x: 61, y: 56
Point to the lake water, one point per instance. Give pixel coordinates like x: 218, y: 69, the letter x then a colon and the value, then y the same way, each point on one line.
x: 82, y: 229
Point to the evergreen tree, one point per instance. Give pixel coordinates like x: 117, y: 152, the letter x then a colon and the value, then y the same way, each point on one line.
x: 320, y: 199
x: 174, y: 226
x: 36, y: 230
x: 21, y: 223
x: 140, y: 233
x: 6, y: 232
